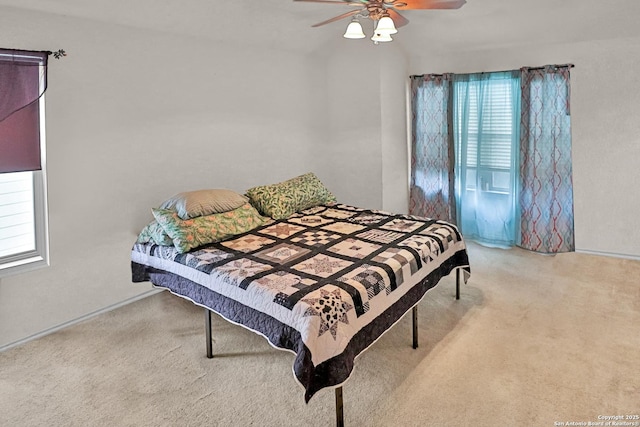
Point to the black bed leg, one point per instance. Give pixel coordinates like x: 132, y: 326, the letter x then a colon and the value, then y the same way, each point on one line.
x: 415, y: 326
x: 207, y: 317
x: 457, y: 283
x: 339, y: 408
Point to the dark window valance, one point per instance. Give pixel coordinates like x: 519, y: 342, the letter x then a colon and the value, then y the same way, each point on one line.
x: 23, y: 80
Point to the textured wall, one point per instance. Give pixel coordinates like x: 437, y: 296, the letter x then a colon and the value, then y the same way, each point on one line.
x: 133, y: 117
x: 136, y: 115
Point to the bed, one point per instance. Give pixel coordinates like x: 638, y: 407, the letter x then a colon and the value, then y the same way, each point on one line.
x: 324, y: 283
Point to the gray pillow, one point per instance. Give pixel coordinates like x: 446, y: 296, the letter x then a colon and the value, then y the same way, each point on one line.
x: 192, y: 204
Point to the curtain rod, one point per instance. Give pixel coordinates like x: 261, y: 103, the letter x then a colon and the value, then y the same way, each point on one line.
x: 57, y: 54
x: 551, y: 65
x: 503, y: 71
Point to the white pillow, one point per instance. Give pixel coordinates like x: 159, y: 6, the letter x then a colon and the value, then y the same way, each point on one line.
x: 192, y: 204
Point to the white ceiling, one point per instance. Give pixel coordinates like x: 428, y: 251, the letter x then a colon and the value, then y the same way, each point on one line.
x: 286, y: 24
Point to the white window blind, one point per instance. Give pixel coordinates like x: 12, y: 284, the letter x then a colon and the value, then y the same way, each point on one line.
x: 486, y: 128
x: 17, y: 216
x: 490, y: 134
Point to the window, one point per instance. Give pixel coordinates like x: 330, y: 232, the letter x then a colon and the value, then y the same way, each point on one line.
x: 490, y: 134
x: 23, y: 201
x: 500, y: 142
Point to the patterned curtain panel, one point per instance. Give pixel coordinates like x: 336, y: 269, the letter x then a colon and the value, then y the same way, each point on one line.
x: 546, y: 187
x: 432, y: 159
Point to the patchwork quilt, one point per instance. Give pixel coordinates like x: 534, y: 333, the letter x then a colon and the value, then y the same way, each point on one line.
x: 324, y: 283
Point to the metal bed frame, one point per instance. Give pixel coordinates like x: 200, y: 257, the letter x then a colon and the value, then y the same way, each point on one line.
x: 338, y: 390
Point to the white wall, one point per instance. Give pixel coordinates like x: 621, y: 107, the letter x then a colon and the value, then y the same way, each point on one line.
x: 133, y: 117
x: 394, y: 80
x: 605, y: 105
x: 363, y: 154
x: 350, y: 153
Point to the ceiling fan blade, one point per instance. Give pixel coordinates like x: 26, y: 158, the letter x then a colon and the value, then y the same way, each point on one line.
x: 430, y: 4
x: 398, y: 19
x: 337, y: 18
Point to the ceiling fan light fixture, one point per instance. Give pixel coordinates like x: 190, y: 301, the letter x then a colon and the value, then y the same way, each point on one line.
x: 386, y: 26
x: 354, y: 30
x: 381, y: 38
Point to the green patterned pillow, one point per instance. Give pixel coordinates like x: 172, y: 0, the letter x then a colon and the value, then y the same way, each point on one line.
x: 202, y: 230
x: 281, y: 200
x: 154, y: 233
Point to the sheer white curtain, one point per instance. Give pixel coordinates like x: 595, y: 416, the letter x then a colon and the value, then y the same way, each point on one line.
x: 486, y: 116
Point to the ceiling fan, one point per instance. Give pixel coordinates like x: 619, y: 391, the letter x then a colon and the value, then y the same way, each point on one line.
x: 384, y: 13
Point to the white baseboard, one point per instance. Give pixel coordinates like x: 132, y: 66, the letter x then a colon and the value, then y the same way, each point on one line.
x: 79, y: 319
x: 608, y: 254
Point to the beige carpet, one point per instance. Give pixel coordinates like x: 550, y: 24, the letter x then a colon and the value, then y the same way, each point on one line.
x: 534, y: 341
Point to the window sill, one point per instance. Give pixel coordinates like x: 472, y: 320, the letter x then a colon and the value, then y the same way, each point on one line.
x: 22, y: 266
x: 506, y: 193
